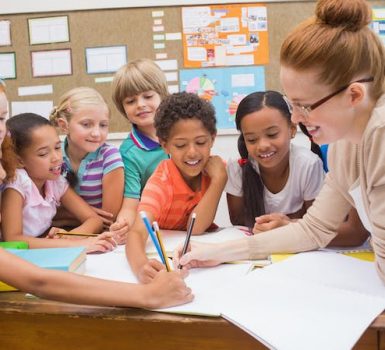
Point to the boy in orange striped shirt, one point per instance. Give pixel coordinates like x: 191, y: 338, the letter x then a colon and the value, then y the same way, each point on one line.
x: 191, y: 180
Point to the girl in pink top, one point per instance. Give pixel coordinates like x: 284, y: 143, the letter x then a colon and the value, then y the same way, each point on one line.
x: 29, y: 202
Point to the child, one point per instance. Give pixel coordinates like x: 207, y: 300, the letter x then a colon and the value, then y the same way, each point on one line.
x: 167, y: 289
x: 138, y: 89
x: 273, y: 176
x: 29, y: 203
x: 342, y: 105
x: 191, y: 180
x: 93, y: 168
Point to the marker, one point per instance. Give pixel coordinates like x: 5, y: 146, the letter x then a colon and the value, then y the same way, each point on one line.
x: 187, y: 241
x: 80, y: 234
x: 158, y: 235
x: 152, y: 234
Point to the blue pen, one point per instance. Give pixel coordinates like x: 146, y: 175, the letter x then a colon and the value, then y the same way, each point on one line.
x: 152, y: 235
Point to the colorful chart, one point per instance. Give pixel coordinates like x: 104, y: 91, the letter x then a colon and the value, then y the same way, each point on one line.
x: 202, y: 86
x: 224, y: 88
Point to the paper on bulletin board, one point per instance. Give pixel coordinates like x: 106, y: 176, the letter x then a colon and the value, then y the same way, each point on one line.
x: 105, y: 59
x: 224, y: 88
x: 225, y: 35
x: 51, y: 63
x: 5, y: 33
x: 42, y: 108
x: 48, y: 30
x: 7, y: 65
x: 378, y: 22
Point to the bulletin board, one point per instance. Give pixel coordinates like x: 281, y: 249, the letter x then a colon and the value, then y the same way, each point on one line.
x: 134, y: 29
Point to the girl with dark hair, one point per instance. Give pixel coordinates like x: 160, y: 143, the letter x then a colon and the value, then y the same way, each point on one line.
x: 273, y: 176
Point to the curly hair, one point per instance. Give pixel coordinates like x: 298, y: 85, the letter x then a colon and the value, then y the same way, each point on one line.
x: 181, y: 106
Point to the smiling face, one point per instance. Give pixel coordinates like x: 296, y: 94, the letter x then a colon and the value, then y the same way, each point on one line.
x: 87, y: 129
x: 42, y: 158
x: 331, y: 121
x: 140, y: 109
x: 267, y: 135
x: 189, y: 144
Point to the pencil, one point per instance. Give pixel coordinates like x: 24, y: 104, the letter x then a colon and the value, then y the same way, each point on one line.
x: 158, y: 235
x: 151, y: 234
x: 79, y: 234
x: 188, y: 236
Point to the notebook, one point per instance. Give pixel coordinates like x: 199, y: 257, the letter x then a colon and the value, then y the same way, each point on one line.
x: 316, y: 300
x: 66, y: 259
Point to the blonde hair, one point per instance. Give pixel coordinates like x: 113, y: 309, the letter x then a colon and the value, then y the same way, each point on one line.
x: 74, y: 100
x: 136, y: 77
x: 339, y: 31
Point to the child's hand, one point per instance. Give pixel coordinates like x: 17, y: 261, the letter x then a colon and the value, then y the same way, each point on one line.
x: 105, y: 216
x: 270, y: 221
x: 216, y: 169
x: 103, y: 243
x: 198, y: 255
x: 167, y: 289
x: 149, y: 270
x: 53, y: 232
x: 119, y: 229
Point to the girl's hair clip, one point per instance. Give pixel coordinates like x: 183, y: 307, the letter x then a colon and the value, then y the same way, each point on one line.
x: 242, y: 161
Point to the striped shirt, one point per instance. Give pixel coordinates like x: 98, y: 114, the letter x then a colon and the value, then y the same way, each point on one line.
x: 168, y: 197
x: 91, y: 170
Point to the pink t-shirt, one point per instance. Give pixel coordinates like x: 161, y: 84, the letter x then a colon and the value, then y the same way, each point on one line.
x: 38, y: 211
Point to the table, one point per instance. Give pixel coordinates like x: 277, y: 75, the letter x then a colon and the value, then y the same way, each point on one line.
x: 31, y: 323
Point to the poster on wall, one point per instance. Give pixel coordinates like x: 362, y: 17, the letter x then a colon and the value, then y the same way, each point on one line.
x: 225, y: 35
x: 378, y: 22
x: 224, y: 88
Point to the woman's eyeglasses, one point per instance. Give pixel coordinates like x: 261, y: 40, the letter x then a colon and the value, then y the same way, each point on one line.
x: 305, y: 110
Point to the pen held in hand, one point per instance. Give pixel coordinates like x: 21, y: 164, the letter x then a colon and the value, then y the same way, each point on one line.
x: 158, y: 235
x: 188, y: 236
x: 152, y: 234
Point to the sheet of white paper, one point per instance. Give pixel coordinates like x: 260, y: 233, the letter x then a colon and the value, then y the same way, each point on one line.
x: 242, y: 80
x: 194, y: 18
x: 230, y: 24
x: 158, y: 22
x: 157, y: 13
x: 237, y: 39
x: 50, y: 63
x: 161, y: 56
x: 171, y: 76
x: 172, y: 89
x: 48, y: 30
x: 173, y: 36
x: 240, y: 60
x: 42, y: 108
x: 5, y: 33
x: 7, y: 65
x: 206, y: 285
x: 158, y: 28
x: 35, y: 90
x: 158, y: 37
x: 105, y: 59
x: 295, y: 303
x: 196, y: 54
x: 104, y: 80
x: 159, y: 46
x: 167, y: 64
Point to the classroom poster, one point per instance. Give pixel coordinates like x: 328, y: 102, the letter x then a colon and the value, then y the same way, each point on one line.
x: 224, y: 88
x: 378, y: 23
x: 225, y: 35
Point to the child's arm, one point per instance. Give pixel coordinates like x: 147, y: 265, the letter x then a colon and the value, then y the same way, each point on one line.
x: 145, y: 269
x: 207, y: 207
x: 90, y: 221
x: 167, y: 289
x: 112, y: 196
x: 12, y: 228
x: 127, y: 212
x: 236, y: 212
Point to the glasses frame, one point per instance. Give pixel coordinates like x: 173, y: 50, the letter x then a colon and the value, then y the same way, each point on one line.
x: 305, y: 110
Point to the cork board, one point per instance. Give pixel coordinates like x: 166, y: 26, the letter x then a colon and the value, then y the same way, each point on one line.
x: 132, y: 27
